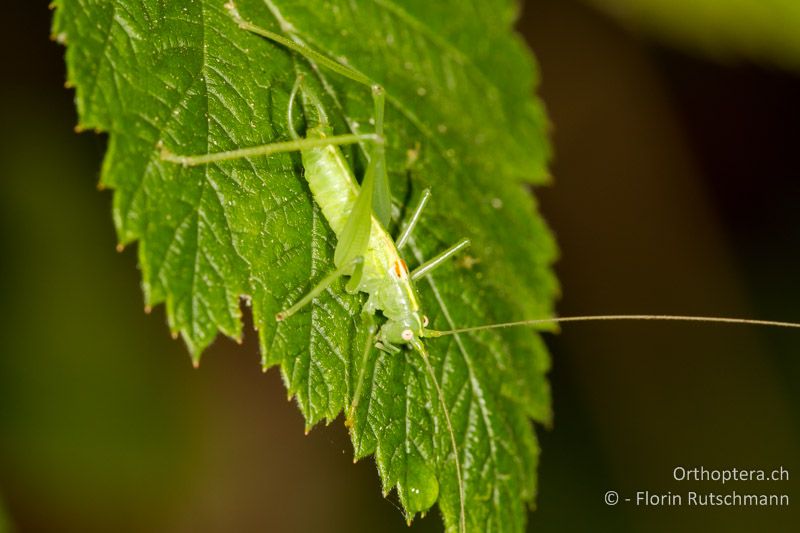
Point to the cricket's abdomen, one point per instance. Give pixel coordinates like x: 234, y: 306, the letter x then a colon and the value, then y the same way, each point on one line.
x: 331, y: 182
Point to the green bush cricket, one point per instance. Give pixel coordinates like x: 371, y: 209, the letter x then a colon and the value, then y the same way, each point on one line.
x: 358, y: 216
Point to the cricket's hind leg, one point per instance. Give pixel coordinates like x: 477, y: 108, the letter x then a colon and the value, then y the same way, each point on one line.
x: 294, y: 145
x: 299, y: 47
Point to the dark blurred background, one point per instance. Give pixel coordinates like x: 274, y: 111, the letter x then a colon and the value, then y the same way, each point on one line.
x: 676, y: 191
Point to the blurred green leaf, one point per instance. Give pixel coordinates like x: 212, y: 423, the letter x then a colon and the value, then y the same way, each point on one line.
x: 5, y: 523
x: 766, y: 31
x: 461, y: 119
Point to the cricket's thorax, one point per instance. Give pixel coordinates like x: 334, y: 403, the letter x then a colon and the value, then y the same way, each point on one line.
x: 385, y: 276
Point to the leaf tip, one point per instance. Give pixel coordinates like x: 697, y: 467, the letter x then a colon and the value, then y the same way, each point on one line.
x: 61, y: 38
x: 194, y: 353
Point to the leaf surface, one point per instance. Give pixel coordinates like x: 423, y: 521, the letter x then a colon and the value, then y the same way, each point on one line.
x: 460, y: 119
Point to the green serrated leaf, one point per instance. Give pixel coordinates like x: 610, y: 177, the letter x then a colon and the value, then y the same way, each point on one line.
x: 460, y: 119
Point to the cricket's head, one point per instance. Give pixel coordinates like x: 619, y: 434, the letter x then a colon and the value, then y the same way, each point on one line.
x: 407, y: 330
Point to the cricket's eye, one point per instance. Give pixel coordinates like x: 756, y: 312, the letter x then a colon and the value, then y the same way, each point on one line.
x: 425, y: 321
x: 407, y: 334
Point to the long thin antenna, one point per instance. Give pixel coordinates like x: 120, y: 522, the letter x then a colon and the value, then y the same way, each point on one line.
x: 599, y: 318
x: 462, y: 515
